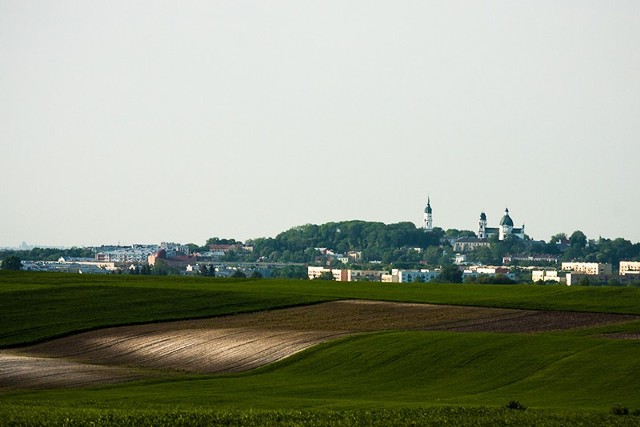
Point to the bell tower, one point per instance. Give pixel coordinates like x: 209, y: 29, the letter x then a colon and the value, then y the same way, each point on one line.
x: 482, y: 231
x: 428, y: 216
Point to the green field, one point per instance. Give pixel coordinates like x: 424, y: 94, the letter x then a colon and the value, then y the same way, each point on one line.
x: 384, y: 378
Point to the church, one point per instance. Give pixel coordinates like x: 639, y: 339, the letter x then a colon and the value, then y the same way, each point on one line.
x: 504, y: 230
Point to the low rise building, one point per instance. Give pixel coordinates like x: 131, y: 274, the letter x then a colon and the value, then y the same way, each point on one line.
x: 490, y: 271
x: 410, y: 276
x: 547, y: 276
x: 338, y: 274
x: 508, y: 259
x: 601, y: 279
x: 629, y: 267
x: 365, y: 275
x: 467, y: 244
x: 591, y: 268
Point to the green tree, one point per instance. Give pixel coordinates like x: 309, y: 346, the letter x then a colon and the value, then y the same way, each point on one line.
x: 484, y: 255
x: 207, y: 271
x: 326, y: 276
x: 218, y: 241
x: 238, y: 274
x: 160, y: 268
x: 290, y: 272
x: 578, y: 240
x: 451, y: 274
x: 12, y: 262
x: 432, y: 255
x: 455, y: 233
x: 558, y: 238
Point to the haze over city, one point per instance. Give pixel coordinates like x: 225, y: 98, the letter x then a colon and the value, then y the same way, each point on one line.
x: 139, y: 122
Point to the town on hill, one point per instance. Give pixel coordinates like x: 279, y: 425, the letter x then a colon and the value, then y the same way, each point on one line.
x: 366, y: 251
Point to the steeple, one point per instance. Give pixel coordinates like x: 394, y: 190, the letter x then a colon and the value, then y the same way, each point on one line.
x: 428, y: 216
x: 482, y: 231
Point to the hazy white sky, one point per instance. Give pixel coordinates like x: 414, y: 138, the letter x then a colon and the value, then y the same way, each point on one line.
x: 148, y: 121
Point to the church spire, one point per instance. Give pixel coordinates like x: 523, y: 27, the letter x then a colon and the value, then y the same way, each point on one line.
x: 428, y: 216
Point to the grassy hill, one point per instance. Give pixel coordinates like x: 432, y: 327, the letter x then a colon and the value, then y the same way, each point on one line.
x: 380, y: 378
x: 38, y: 306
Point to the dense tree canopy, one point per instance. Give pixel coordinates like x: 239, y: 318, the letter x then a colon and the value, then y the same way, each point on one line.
x: 376, y: 241
x: 11, y: 262
x: 49, y: 254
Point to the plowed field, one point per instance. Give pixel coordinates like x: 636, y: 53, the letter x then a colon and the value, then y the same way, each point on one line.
x: 243, y: 342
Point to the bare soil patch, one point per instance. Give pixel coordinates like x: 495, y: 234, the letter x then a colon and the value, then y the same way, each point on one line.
x: 20, y: 371
x: 242, y: 342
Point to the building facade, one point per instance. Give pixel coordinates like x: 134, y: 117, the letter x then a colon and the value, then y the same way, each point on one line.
x: 589, y: 268
x: 504, y: 229
x: 629, y: 267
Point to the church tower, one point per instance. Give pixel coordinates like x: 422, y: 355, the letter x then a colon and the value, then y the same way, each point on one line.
x: 506, y: 225
x: 428, y: 217
x: 482, y: 231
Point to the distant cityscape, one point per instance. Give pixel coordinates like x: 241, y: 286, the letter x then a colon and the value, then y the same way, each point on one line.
x: 361, y: 251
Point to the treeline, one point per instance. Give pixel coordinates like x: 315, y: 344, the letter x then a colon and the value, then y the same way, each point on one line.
x: 401, y: 245
x: 47, y: 254
x: 576, y: 247
x: 376, y: 241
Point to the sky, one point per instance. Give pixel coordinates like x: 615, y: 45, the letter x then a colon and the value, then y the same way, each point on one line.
x: 147, y: 121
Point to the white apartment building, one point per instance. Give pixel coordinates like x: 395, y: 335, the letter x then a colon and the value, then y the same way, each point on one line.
x: 629, y: 267
x: 338, y: 274
x: 591, y: 268
x: 410, y: 276
x: 365, y: 275
x: 546, y: 276
x: 476, y: 271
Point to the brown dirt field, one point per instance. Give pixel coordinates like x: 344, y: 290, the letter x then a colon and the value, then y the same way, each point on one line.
x: 17, y: 371
x: 242, y: 342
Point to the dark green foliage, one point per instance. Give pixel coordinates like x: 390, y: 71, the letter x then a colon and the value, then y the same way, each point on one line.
x: 619, y: 410
x: 374, y: 239
x: 515, y: 405
x: 451, y: 274
x: 207, y: 270
x: 12, y: 262
x: 455, y: 233
x: 601, y: 250
x: 445, y: 415
x: 239, y: 274
x: 499, y: 279
x: 290, y: 272
x: 326, y: 275
x: 49, y: 254
x: 218, y: 241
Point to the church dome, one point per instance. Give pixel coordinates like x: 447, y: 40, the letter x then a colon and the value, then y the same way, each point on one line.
x: 506, y: 219
x: 483, y: 216
x: 428, y: 208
